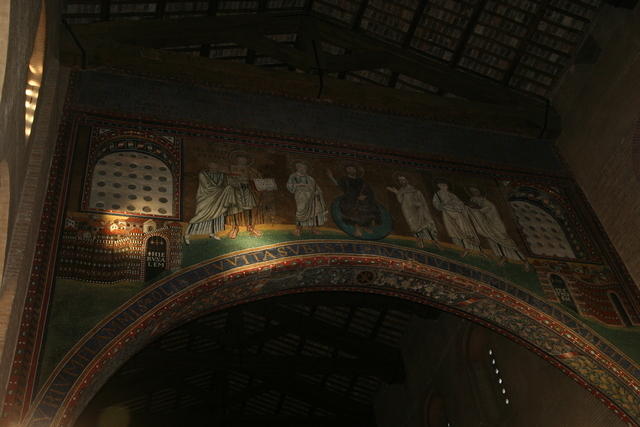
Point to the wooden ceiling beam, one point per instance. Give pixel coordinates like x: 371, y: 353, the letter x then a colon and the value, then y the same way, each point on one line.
x: 532, y: 27
x: 161, y: 9
x: 415, y: 21
x: 266, y: 46
x: 249, y: 31
x: 262, y: 337
x: 512, y: 119
x: 307, y: 39
x: 308, y: 6
x: 317, y: 330
x: 357, y: 61
x: 315, y: 394
x: 120, y: 390
x: 468, y: 30
x: 625, y: 4
x: 378, y: 54
x: 124, y: 388
x: 105, y: 10
x: 167, y: 33
x: 357, y: 18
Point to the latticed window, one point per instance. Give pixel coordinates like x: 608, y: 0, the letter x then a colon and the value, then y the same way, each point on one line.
x: 543, y: 233
x: 132, y: 182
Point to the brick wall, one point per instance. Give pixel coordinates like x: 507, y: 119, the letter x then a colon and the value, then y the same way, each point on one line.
x: 600, y: 106
x: 27, y: 161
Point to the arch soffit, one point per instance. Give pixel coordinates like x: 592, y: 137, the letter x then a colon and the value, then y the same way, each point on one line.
x: 312, y: 266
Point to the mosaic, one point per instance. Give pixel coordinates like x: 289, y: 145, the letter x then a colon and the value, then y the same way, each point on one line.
x: 160, y: 224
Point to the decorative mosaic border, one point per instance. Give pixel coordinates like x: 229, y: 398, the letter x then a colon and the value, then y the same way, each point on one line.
x: 24, y: 369
x: 333, y: 265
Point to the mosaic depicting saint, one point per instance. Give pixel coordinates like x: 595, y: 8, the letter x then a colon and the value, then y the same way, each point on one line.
x: 456, y: 218
x: 311, y: 210
x: 246, y: 209
x: 214, y: 198
x: 357, y: 212
x: 489, y: 224
x: 416, y: 211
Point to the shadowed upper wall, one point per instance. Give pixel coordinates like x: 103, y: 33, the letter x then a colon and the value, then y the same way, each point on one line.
x: 600, y: 107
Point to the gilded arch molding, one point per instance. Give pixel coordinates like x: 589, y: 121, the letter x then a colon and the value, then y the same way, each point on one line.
x: 325, y: 265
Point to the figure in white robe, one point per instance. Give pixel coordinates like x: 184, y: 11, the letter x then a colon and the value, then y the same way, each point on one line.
x: 214, y: 198
x: 456, y: 218
x: 311, y: 210
x: 416, y: 212
x: 487, y: 221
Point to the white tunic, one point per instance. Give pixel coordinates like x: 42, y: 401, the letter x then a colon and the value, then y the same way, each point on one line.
x: 456, y: 219
x: 416, y: 211
x: 310, y: 206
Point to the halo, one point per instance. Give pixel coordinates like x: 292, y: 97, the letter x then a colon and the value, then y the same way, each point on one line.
x: 438, y: 180
x: 359, y: 168
x: 295, y: 161
x: 221, y: 166
x: 468, y: 190
x: 233, y: 155
x: 397, y: 174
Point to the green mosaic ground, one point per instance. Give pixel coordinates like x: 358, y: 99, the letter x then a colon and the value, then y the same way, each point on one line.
x: 78, y: 306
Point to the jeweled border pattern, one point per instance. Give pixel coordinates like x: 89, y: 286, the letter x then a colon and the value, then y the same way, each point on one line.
x: 465, y: 290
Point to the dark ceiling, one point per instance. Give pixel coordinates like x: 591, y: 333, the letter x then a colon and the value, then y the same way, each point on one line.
x: 304, y: 360
x: 520, y: 44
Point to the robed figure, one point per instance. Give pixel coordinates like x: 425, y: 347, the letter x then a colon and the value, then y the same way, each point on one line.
x: 311, y: 210
x: 357, y: 207
x: 415, y: 211
x: 456, y: 218
x: 489, y: 224
x: 246, y: 211
x: 214, y: 199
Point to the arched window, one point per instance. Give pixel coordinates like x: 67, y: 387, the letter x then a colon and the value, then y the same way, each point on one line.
x: 543, y: 233
x: 34, y: 75
x: 133, y: 183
